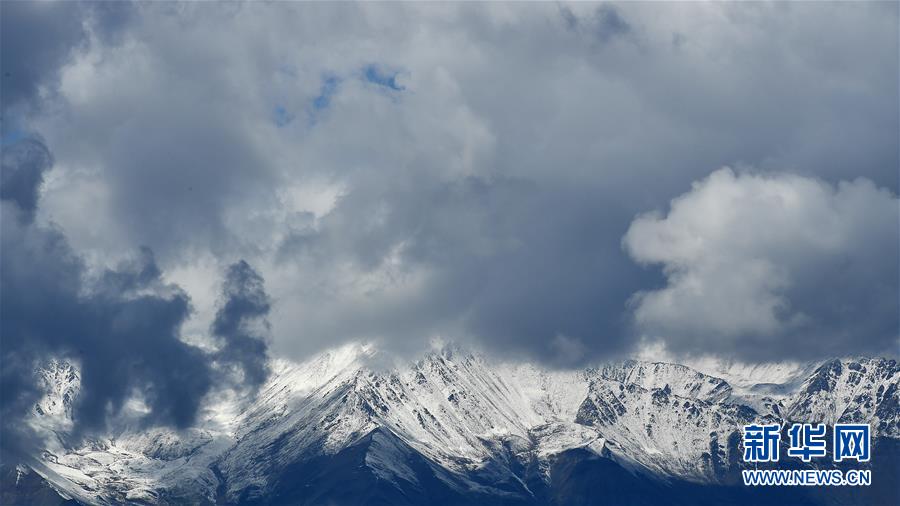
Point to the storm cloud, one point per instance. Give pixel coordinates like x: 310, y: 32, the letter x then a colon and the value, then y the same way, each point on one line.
x: 121, y: 327
x: 31, y: 64
x: 400, y: 172
x: 242, y: 326
x: 28, y: 61
x: 22, y: 173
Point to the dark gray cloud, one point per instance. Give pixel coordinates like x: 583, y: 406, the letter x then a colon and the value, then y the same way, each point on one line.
x: 463, y: 171
x: 37, y: 38
x: 122, y: 328
x: 22, y: 172
x: 123, y: 340
x: 241, y: 324
x: 604, y: 23
x: 513, y: 264
x: 29, y: 60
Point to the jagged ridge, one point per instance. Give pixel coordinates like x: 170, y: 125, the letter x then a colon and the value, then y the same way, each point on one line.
x: 451, y: 421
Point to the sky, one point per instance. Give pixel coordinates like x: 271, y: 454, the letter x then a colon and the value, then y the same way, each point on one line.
x: 211, y: 186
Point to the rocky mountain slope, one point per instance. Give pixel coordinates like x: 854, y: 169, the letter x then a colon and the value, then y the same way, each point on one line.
x: 457, y: 428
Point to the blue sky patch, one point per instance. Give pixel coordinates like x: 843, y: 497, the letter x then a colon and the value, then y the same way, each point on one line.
x: 281, y: 116
x: 329, y: 88
x: 382, y: 77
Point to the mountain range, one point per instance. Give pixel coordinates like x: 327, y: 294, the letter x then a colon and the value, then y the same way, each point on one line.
x: 456, y: 427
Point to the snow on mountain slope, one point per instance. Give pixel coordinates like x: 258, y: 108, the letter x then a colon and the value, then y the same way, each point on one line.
x: 134, y: 468
x: 857, y: 390
x: 60, y: 381
x: 125, y: 466
x: 670, y: 434
x: 447, y: 406
x: 776, y: 379
x: 464, y: 420
x: 681, y: 380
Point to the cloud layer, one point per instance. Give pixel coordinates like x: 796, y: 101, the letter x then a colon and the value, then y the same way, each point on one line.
x: 399, y: 172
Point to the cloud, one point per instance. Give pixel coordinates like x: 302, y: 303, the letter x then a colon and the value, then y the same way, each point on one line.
x: 124, y: 333
x: 31, y: 64
x: 606, y: 23
x: 486, y: 201
x: 22, y: 172
x: 241, y: 324
x: 30, y: 61
x: 501, y: 262
x: 122, y: 327
x: 767, y: 266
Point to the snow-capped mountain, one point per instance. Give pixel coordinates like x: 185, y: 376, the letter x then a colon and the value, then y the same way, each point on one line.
x: 458, y: 428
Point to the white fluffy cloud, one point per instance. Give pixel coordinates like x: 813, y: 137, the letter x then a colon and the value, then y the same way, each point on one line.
x: 769, y: 264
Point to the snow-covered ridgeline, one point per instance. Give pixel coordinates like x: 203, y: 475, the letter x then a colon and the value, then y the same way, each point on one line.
x: 458, y: 410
